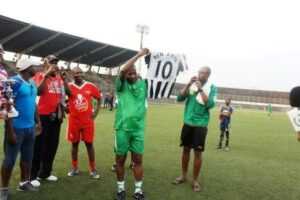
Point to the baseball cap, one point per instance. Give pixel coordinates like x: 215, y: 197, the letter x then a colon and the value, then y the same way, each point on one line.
x: 52, y: 58
x: 26, y: 63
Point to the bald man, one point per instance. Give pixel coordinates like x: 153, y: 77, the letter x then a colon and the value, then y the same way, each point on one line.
x: 81, y: 119
x: 199, y: 96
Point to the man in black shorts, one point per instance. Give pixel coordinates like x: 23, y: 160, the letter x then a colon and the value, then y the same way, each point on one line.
x: 199, y: 96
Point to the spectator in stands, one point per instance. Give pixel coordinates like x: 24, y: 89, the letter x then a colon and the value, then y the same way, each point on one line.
x: 111, y: 101
x: 225, y: 118
x: 51, y: 89
x: 23, y: 131
x: 106, y: 100
x: 199, y: 96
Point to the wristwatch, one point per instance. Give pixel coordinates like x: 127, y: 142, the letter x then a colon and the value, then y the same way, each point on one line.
x: 200, y: 90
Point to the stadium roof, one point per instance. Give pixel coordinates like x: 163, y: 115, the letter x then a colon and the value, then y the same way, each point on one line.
x: 25, y: 38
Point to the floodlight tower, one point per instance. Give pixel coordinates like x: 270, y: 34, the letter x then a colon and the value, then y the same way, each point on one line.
x: 142, y: 29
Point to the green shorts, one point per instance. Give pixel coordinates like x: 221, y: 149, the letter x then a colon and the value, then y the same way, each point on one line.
x: 132, y: 141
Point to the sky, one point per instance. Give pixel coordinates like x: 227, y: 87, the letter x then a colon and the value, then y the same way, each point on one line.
x: 252, y: 44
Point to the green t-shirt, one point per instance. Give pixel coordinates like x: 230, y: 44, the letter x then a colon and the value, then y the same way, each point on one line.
x: 132, y: 105
x: 196, y: 114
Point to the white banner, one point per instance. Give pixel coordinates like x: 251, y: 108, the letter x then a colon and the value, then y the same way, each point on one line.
x: 294, y: 116
x: 162, y: 72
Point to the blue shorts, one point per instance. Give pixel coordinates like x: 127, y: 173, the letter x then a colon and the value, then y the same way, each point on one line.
x: 225, y: 124
x: 24, y: 144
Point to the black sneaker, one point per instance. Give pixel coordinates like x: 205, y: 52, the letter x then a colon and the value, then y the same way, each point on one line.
x: 121, y: 196
x: 27, y: 187
x: 139, y: 196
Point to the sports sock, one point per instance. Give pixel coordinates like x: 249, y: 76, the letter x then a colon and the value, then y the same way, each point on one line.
x: 138, y: 187
x: 92, y: 165
x: 121, y: 186
x: 75, y: 164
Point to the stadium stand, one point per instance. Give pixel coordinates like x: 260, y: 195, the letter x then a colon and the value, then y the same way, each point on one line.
x: 24, y: 38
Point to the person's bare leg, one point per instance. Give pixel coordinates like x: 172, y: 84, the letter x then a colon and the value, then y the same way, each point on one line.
x: 91, y: 154
x: 5, y: 176
x: 25, y: 171
x: 185, y: 159
x: 120, y: 172
x: 197, y: 168
x: 138, y: 172
x: 74, y: 154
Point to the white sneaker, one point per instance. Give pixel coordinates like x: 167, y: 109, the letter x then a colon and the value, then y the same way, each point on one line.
x: 94, y: 175
x: 52, y: 178
x: 35, y: 183
x: 227, y: 149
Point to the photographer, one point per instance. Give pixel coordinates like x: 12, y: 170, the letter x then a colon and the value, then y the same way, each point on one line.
x: 52, y: 89
x: 199, y: 96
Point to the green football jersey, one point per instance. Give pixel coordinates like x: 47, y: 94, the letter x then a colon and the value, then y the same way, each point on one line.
x: 132, y: 105
x: 196, y: 114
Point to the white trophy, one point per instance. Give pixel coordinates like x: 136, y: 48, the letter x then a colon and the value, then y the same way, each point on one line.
x: 7, y: 93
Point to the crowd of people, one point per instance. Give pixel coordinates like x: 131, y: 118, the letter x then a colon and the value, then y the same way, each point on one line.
x: 44, y: 97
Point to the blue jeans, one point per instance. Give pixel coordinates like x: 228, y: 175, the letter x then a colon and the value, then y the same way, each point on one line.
x: 24, y: 144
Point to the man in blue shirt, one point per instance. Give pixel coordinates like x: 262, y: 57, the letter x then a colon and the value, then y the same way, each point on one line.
x: 23, y: 131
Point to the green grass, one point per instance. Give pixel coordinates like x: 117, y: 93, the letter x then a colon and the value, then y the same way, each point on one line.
x: 263, y: 162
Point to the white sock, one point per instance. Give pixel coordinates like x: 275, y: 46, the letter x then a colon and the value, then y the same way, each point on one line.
x: 138, y: 187
x: 121, y: 186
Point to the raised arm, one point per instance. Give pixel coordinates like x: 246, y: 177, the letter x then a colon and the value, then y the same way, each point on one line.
x: 42, y: 84
x: 132, y: 61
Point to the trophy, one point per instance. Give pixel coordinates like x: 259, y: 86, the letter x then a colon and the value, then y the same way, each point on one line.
x: 7, y: 94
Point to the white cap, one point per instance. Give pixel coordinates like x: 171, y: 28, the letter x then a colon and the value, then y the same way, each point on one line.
x: 26, y: 63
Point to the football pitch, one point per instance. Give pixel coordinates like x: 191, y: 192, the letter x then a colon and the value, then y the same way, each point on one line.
x: 263, y: 163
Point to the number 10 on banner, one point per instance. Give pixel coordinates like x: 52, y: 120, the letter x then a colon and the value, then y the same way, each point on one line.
x: 163, y: 68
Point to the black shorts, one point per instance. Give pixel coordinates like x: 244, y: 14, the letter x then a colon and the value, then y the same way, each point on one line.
x: 193, y: 137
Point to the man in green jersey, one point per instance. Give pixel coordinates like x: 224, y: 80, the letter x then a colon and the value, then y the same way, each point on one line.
x: 199, y: 96
x: 269, y: 109
x: 130, y: 124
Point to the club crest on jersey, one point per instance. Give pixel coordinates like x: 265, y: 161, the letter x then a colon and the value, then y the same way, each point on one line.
x: 81, y: 104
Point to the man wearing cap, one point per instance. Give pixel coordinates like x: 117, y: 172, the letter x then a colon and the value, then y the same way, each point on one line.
x: 24, y: 126
x: 51, y: 89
